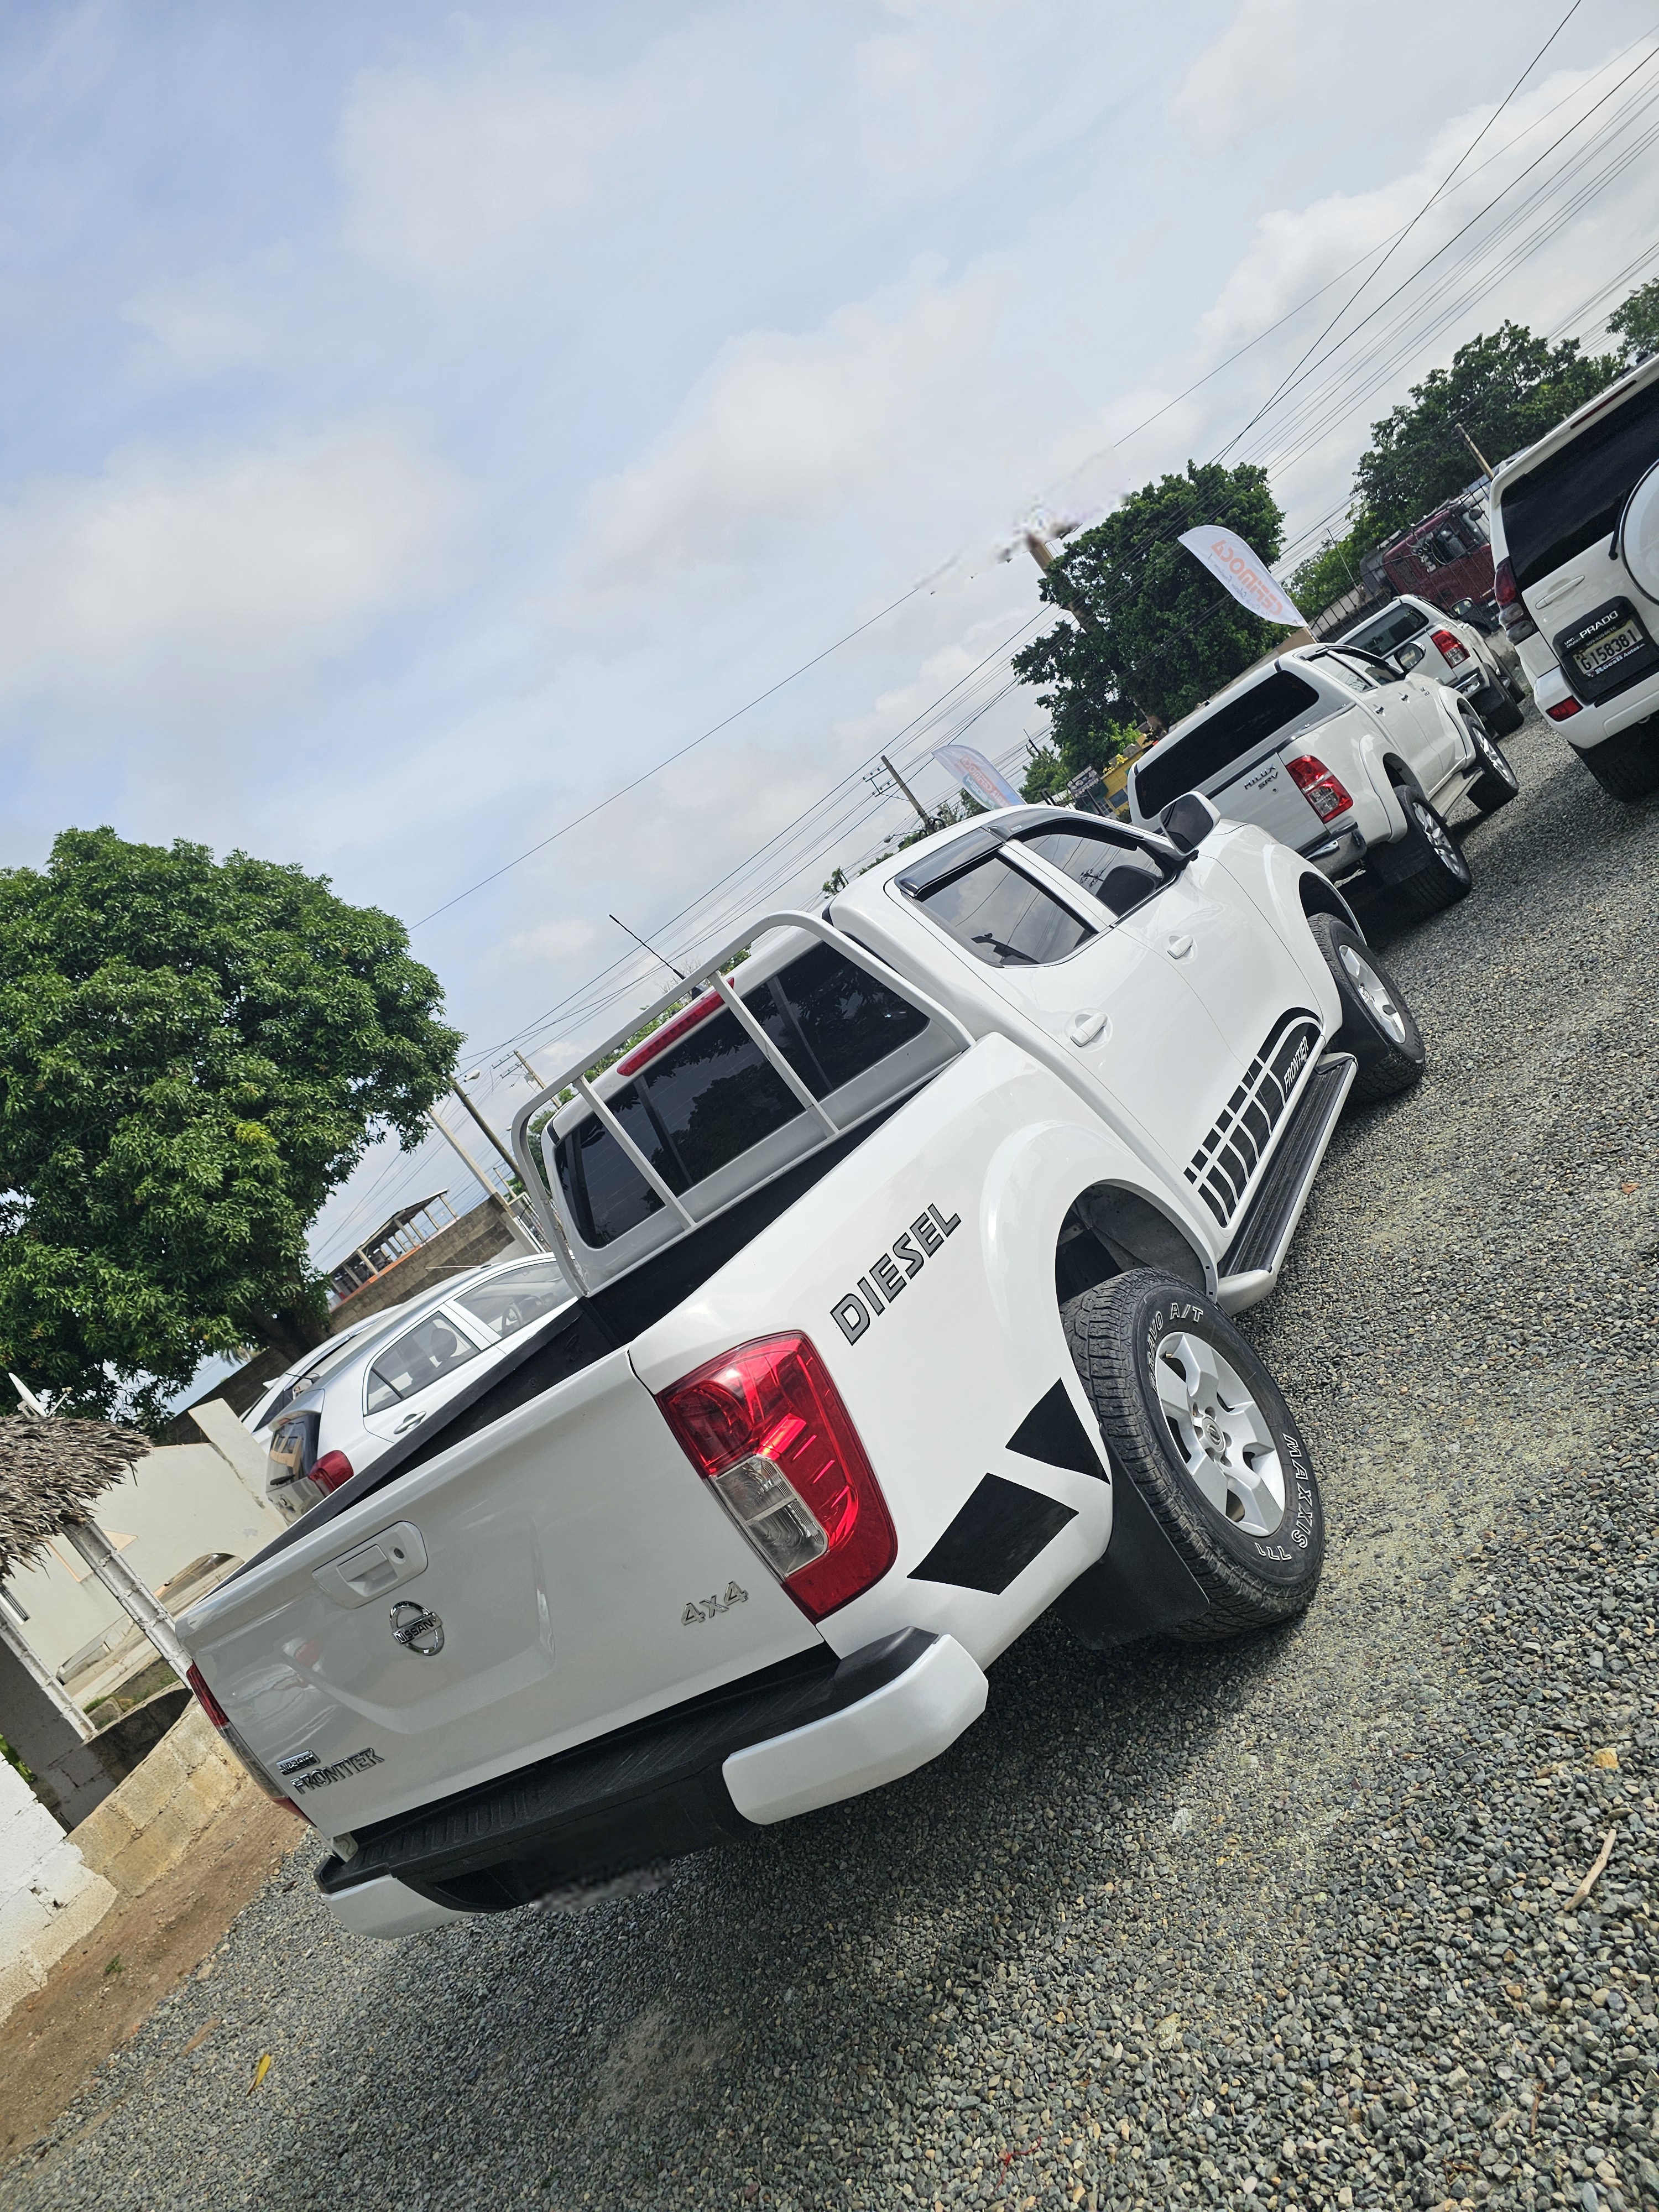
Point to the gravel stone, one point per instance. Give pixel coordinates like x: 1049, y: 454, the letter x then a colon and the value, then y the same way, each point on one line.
x: 1279, y: 1923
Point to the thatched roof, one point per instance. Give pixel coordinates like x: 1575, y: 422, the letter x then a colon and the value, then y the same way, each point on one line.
x: 51, y: 1471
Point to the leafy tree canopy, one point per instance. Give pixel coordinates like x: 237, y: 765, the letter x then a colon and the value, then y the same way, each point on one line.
x: 1505, y: 391
x: 1158, y: 633
x: 1334, y: 568
x: 193, y: 1054
x: 1635, y: 325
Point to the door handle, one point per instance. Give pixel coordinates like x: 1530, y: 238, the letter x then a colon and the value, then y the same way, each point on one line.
x: 1179, y: 947
x: 409, y: 1421
x: 396, y: 1555
x: 1084, y: 1028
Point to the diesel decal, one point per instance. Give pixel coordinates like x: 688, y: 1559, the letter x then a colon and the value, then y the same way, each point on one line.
x: 355, y: 1764
x: 876, y: 1290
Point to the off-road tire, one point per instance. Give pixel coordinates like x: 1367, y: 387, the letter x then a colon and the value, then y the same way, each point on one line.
x: 1627, y: 766
x: 1377, y: 1027
x: 1114, y: 1333
x: 1497, y: 783
x: 1441, y: 875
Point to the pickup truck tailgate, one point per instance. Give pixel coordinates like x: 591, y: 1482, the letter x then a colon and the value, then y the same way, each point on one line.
x: 1265, y: 794
x: 578, y: 1576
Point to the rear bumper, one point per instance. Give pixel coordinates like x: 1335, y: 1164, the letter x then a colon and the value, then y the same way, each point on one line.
x: 1338, y: 855
x: 710, y: 1773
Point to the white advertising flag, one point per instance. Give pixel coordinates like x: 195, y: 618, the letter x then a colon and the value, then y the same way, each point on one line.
x: 974, y: 772
x: 1248, y: 579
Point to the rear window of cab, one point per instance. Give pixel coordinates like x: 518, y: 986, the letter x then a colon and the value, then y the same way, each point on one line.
x: 1187, y: 763
x: 712, y: 1096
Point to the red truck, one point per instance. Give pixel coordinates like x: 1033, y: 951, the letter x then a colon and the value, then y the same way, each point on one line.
x: 1445, y: 558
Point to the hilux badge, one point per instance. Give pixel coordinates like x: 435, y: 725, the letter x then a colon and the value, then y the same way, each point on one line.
x: 417, y: 1629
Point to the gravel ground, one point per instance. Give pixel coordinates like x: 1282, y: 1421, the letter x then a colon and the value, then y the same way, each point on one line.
x: 1288, y: 1923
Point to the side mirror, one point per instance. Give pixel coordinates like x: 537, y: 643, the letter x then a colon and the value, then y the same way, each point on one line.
x: 1187, y: 821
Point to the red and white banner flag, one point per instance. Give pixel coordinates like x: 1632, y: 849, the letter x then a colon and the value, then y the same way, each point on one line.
x: 1250, y: 580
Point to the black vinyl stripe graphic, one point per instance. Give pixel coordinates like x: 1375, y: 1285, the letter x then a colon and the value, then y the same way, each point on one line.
x: 995, y: 1536
x: 1052, y: 1432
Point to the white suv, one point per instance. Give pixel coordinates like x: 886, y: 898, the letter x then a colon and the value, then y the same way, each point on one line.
x: 1415, y: 635
x: 1575, y: 542
x: 1341, y: 758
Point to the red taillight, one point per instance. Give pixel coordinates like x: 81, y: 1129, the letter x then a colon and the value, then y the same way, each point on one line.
x: 1564, y: 710
x: 1505, y: 588
x: 1451, y: 649
x: 1323, y: 791
x: 670, y: 1032
x: 765, y: 1427
x: 330, y: 1471
x: 205, y: 1699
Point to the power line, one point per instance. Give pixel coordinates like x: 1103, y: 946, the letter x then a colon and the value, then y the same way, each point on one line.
x: 645, y: 774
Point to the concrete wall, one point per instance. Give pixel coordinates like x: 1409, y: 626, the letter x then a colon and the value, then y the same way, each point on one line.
x: 476, y: 1236
x: 54, y: 1888
x: 50, y: 1898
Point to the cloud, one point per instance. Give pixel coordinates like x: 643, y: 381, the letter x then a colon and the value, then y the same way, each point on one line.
x: 168, y: 583
x: 901, y: 421
x: 457, y: 182
x: 1270, y: 56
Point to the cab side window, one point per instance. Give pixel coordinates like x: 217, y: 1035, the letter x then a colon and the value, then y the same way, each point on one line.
x: 1118, y: 872
x: 1002, y: 917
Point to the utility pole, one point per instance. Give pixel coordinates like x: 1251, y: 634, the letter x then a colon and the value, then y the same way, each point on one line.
x: 511, y: 1164
x: 527, y: 1068
x: 1486, y: 465
x: 515, y: 1227
x: 923, y: 815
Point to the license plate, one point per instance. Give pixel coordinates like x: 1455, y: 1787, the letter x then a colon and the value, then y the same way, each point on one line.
x: 1605, y: 653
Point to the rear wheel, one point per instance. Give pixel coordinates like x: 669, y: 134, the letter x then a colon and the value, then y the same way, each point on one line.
x: 1498, y: 783
x: 1627, y: 766
x: 1497, y: 710
x: 1194, y: 1420
x: 1377, y: 1027
x: 1434, y: 874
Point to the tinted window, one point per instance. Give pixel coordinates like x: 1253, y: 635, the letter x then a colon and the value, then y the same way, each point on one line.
x: 837, y: 1019
x: 1186, y: 763
x: 714, y: 1097
x: 1115, y: 871
x: 1393, y: 630
x: 511, y: 1302
x: 1569, y: 502
x: 429, y: 1349
x: 1003, y: 918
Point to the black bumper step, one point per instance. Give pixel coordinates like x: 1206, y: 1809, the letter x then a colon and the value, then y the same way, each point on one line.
x: 652, y: 1792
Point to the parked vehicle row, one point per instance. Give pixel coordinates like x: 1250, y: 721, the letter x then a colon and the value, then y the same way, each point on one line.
x: 1330, y: 749
x: 900, y: 1264
x: 1576, y: 539
x: 894, y: 1280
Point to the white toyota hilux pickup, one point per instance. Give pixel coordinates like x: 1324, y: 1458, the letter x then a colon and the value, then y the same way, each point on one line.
x: 904, y: 1255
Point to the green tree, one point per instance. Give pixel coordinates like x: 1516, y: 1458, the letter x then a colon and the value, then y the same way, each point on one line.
x: 1505, y: 391
x: 1635, y: 325
x: 1333, y: 570
x: 1157, y: 632
x: 193, y: 1054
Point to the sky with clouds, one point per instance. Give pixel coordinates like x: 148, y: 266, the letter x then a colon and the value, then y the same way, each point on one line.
x: 419, y: 424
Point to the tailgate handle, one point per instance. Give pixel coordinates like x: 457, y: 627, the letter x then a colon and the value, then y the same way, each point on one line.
x: 396, y: 1555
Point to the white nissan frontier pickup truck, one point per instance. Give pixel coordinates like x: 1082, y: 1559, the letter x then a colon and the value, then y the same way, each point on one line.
x: 903, y: 1257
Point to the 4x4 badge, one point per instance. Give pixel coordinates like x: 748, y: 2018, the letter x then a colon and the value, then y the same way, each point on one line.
x: 417, y: 1629
x: 705, y: 1609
